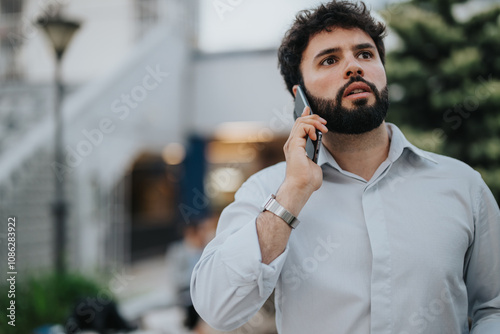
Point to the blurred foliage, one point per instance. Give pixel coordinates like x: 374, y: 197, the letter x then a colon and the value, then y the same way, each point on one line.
x: 445, y: 81
x: 45, y: 299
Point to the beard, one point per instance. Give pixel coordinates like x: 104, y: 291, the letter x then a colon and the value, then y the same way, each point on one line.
x: 359, y: 119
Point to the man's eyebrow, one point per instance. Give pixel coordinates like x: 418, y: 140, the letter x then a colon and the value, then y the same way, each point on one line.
x: 326, y: 52
x: 363, y: 46
x: 336, y: 49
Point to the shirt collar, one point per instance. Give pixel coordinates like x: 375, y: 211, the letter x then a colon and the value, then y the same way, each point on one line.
x: 398, y: 144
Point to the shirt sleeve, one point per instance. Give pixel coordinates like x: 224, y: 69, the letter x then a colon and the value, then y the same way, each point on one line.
x: 482, y: 275
x: 230, y: 283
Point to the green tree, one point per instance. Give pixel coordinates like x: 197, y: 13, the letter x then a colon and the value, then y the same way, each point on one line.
x: 445, y: 81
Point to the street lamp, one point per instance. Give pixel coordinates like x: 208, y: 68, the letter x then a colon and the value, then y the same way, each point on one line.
x: 59, y: 31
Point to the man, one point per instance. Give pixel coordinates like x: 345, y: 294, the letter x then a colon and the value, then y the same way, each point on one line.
x: 392, y: 239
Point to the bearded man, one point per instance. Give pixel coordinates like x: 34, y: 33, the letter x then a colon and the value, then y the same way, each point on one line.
x: 392, y: 239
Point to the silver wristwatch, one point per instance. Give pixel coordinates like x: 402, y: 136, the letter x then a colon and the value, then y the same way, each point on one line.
x: 272, y: 205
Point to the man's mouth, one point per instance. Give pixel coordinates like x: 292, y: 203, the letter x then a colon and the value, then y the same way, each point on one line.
x: 357, y: 90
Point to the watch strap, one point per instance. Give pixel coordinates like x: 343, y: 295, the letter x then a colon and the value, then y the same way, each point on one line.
x: 272, y: 205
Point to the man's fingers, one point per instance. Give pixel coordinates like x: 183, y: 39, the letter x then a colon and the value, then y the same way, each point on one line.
x: 306, y: 129
x: 304, y: 126
x: 314, y: 121
x: 310, y: 119
x: 311, y: 132
x: 306, y: 111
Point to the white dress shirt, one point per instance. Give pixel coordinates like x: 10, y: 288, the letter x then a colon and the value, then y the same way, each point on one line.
x: 416, y: 249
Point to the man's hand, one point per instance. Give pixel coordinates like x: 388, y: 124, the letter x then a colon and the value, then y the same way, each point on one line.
x: 302, y: 174
x: 302, y: 178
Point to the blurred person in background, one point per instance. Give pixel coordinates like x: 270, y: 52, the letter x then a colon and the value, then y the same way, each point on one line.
x: 181, y: 259
x: 392, y: 239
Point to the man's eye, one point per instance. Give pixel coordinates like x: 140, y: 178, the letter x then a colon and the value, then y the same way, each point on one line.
x: 365, y: 55
x: 328, y: 61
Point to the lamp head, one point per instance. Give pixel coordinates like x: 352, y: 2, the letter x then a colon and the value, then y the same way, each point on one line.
x: 59, y: 31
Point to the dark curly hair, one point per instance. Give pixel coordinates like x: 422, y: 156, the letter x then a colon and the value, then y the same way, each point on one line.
x: 325, y: 17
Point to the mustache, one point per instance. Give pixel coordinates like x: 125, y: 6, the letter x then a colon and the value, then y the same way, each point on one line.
x: 357, y: 78
x: 340, y: 93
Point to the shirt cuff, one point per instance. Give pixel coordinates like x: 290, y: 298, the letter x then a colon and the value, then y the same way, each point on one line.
x: 243, y: 261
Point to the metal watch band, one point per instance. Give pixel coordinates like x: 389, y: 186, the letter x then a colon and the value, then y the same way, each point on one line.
x: 272, y: 205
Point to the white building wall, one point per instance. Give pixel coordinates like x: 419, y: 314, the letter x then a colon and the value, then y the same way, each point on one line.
x: 100, y: 45
x: 103, y: 135
x: 240, y: 87
x: 136, y: 109
x: 130, y: 105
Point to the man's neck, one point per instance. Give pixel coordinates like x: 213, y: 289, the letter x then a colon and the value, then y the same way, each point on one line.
x: 359, y: 154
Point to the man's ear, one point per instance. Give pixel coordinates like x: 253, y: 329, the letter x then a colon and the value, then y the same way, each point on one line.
x: 294, y: 88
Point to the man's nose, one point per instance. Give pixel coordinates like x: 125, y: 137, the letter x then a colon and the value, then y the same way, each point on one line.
x: 353, y: 68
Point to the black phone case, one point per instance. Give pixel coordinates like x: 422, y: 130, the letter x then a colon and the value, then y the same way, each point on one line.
x: 312, y: 146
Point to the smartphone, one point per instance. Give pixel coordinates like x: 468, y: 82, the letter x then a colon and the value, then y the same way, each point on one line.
x: 312, y: 146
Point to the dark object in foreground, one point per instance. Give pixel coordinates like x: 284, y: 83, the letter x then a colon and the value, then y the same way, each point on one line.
x: 102, y: 318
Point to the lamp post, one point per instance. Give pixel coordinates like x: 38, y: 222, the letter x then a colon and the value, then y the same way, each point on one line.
x: 59, y: 31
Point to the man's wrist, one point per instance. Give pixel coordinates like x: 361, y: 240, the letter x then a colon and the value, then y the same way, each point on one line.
x: 292, y: 198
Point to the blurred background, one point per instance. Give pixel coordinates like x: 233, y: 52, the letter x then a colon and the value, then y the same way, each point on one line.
x: 127, y: 126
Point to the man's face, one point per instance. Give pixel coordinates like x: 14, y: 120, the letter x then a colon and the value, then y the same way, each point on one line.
x: 345, y: 80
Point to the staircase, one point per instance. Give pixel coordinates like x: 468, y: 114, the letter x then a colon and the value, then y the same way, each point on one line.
x: 107, y: 123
